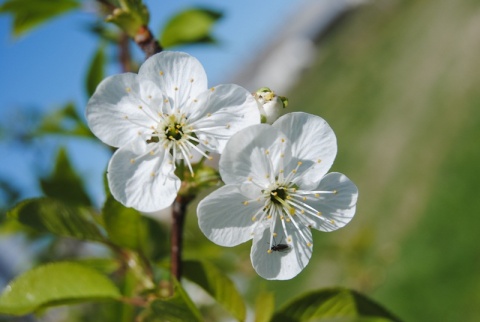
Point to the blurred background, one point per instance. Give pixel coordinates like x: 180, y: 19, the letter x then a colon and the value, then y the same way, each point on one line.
x: 399, y: 83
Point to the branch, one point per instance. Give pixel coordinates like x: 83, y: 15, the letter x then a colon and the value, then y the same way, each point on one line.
x: 147, y: 42
x: 179, y: 211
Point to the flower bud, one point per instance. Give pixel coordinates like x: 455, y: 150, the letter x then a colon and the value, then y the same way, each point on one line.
x: 269, y: 104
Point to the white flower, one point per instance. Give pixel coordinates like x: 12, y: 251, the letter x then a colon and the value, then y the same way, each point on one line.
x: 276, y: 190
x: 270, y: 105
x: 164, y: 114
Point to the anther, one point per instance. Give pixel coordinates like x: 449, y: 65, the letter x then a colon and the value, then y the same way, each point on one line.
x: 245, y: 203
x: 132, y: 161
x: 161, y: 73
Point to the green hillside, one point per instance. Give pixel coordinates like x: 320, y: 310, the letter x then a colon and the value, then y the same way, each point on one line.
x: 399, y: 82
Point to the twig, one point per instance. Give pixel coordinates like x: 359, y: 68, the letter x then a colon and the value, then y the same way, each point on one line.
x: 147, y: 42
x: 124, y: 53
x: 179, y: 211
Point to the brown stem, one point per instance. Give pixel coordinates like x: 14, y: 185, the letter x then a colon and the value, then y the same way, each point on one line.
x: 124, y: 53
x: 145, y: 40
x: 179, y: 211
x: 144, y: 37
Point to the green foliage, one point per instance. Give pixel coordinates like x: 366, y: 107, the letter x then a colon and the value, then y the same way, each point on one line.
x: 28, y: 14
x: 56, y: 217
x: 130, y: 17
x: 64, y: 121
x: 217, y: 284
x: 55, y: 284
x: 96, y: 71
x: 64, y: 183
x: 264, y: 306
x: 178, y: 308
x: 191, y: 26
x: 335, y: 303
x: 124, y: 226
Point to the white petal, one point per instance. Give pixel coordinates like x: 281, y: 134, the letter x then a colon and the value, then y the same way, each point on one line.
x: 312, y: 139
x: 337, y: 209
x: 177, y: 74
x: 252, y: 152
x: 224, y: 218
x: 280, y: 265
x: 220, y: 112
x: 143, y: 184
x: 113, y: 112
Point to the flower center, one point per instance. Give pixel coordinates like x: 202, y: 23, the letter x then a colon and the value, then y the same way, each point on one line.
x: 174, y: 132
x: 278, y: 195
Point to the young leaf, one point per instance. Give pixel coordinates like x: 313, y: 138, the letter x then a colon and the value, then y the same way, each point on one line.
x: 28, y: 14
x: 334, y: 303
x: 64, y: 184
x: 96, y: 71
x: 124, y: 225
x: 264, y: 306
x: 178, y: 308
x: 191, y: 26
x: 55, y: 284
x: 50, y: 215
x: 217, y: 284
x: 64, y: 121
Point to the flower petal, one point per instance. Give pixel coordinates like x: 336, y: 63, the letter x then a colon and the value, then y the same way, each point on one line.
x: 220, y: 112
x: 224, y: 218
x: 280, y: 265
x: 312, y: 139
x: 178, y: 75
x: 115, y: 112
x: 141, y: 180
x: 251, y: 154
x: 336, y: 209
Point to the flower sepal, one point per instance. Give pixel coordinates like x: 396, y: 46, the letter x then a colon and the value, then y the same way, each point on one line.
x: 204, y: 177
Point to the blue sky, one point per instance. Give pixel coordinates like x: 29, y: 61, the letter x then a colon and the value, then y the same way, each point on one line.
x: 46, y: 68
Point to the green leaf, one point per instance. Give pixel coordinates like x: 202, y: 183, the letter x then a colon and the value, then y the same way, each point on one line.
x: 334, y: 303
x: 217, y: 284
x: 191, y: 26
x: 28, y: 14
x: 124, y: 226
x: 50, y: 215
x: 64, y: 121
x: 55, y: 284
x: 178, y: 308
x: 264, y: 306
x: 131, y: 16
x: 64, y: 183
x: 96, y: 71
